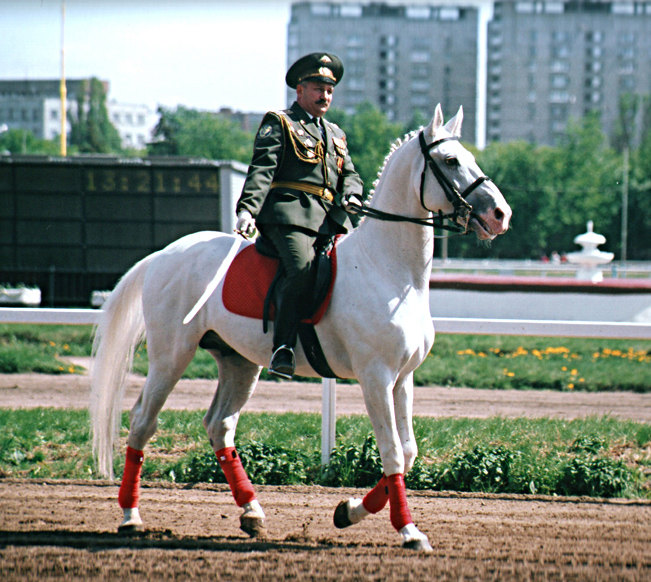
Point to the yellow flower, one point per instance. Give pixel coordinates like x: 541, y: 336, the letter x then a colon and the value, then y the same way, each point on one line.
x: 564, y: 368
x: 570, y: 386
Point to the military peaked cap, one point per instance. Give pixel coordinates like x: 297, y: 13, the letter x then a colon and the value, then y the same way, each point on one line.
x: 321, y: 67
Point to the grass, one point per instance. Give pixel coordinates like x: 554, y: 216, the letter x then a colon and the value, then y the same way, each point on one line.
x: 502, y: 362
x: 592, y: 456
x: 494, y: 454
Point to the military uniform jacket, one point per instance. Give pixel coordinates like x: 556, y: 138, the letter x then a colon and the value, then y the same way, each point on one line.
x: 289, y: 152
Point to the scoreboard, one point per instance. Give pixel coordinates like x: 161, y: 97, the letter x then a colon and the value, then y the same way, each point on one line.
x: 90, y: 216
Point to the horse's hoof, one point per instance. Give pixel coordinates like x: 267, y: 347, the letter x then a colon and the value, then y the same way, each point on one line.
x: 253, y: 525
x: 418, y: 545
x: 131, y: 522
x: 341, y: 518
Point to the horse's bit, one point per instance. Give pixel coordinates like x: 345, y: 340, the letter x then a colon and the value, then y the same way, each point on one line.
x: 459, y: 217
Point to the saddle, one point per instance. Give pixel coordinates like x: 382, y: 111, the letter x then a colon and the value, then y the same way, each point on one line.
x: 249, y: 287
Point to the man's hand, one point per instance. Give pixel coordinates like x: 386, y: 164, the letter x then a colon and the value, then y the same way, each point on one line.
x: 245, y: 224
x: 352, y: 204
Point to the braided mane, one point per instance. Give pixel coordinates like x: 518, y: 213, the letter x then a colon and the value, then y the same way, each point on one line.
x: 392, y: 149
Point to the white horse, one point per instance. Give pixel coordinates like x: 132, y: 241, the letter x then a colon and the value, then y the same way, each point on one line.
x: 377, y: 329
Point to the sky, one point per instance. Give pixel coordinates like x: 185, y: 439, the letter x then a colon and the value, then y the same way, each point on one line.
x: 204, y: 54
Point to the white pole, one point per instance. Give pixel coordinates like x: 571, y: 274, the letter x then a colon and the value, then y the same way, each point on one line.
x: 328, y: 417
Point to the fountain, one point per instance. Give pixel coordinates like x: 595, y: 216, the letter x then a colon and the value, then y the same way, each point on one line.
x: 589, y: 258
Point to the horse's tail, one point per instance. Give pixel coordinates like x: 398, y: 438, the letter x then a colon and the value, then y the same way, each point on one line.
x: 121, y: 328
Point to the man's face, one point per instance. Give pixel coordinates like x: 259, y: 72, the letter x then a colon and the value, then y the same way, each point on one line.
x: 315, y: 97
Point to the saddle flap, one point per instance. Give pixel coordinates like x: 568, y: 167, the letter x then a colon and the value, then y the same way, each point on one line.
x: 251, y: 273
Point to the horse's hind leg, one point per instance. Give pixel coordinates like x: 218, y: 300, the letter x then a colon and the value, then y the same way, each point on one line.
x: 165, y: 370
x: 237, y: 380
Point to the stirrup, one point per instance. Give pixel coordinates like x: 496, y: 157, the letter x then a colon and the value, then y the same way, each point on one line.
x: 282, y: 363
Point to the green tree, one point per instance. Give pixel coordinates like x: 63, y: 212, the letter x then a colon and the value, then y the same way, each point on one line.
x: 90, y: 128
x: 21, y: 141
x: 586, y: 172
x: 639, y: 214
x: 189, y: 132
x: 519, y: 169
x: 553, y: 192
x: 370, y: 135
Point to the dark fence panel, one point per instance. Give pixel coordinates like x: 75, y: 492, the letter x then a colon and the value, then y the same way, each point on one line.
x: 74, y: 225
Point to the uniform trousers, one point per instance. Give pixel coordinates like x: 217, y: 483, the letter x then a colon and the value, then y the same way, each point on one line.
x: 294, y: 291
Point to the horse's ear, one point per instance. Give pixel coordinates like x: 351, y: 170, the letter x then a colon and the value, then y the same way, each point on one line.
x: 454, y: 125
x: 436, y: 123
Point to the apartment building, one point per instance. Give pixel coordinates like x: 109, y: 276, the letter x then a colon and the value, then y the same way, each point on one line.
x: 521, y: 69
x: 402, y: 58
x: 35, y: 106
x: 553, y: 61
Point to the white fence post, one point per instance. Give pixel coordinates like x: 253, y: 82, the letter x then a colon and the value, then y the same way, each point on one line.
x: 328, y: 417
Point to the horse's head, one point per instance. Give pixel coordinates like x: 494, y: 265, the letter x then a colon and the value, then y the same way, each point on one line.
x: 471, y: 198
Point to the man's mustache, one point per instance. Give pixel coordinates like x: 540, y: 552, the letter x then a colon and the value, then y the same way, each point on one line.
x: 321, y: 102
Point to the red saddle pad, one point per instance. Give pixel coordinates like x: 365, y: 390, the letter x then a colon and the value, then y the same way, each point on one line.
x: 248, y: 279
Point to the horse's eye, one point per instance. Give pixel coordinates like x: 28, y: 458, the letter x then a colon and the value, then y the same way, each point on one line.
x: 452, y: 162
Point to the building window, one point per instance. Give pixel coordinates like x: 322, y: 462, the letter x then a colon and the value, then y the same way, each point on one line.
x: 389, y: 40
x: 559, y: 81
x: 419, y: 56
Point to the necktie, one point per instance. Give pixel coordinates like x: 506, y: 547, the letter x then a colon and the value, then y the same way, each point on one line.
x: 321, y: 126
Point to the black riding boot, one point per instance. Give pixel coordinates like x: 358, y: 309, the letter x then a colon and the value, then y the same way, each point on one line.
x: 288, y: 309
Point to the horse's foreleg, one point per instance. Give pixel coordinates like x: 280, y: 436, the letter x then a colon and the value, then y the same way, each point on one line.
x: 237, y: 380
x: 403, y: 396
x: 354, y: 510
x: 403, y: 402
x: 389, y: 432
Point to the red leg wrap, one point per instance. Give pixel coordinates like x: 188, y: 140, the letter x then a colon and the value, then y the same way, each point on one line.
x: 400, y: 515
x: 130, y: 487
x: 377, y: 498
x: 239, y: 483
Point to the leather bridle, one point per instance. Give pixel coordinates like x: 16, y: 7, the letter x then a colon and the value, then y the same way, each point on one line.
x: 462, y: 210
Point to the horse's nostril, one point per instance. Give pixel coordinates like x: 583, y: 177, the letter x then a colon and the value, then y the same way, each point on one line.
x: 499, y: 214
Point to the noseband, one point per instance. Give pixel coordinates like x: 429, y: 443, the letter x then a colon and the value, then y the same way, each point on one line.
x: 458, y: 218
x: 462, y: 209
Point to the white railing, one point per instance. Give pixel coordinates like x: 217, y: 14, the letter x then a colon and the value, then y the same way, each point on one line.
x: 471, y: 326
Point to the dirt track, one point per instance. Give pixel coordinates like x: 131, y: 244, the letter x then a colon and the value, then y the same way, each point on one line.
x: 67, y: 530
x: 72, y: 391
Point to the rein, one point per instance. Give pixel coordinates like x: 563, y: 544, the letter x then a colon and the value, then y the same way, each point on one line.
x: 458, y: 218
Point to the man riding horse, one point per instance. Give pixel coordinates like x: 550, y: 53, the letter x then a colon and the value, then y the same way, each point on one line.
x: 299, y: 188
